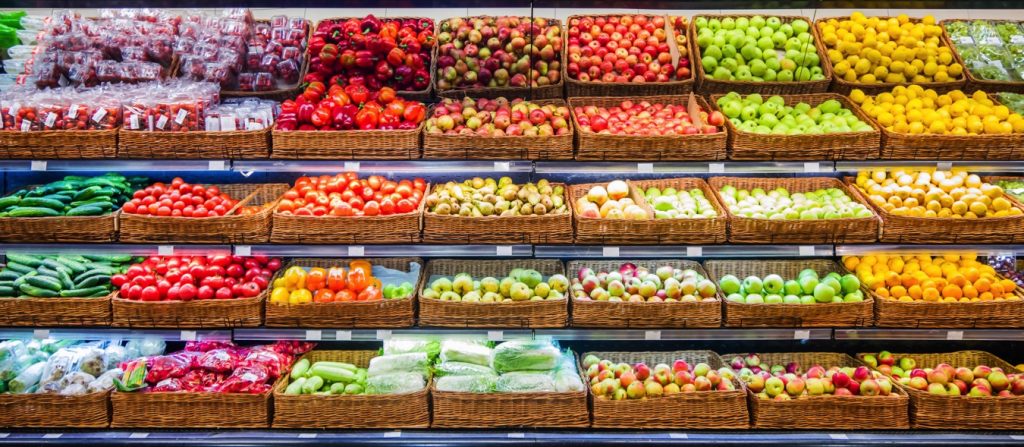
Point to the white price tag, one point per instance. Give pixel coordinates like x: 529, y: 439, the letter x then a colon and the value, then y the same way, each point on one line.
x: 99, y: 114
x: 1017, y: 437
x: 694, y: 252
x: 716, y: 168
x: 73, y: 111
x: 838, y: 436
x: 314, y: 335
x: 356, y: 250
x: 496, y: 335
x: 652, y: 335
x: 393, y: 434
x: 954, y: 335
x: 165, y: 250
x: 52, y: 435
x: 801, y: 334
x: 138, y: 436
x: 217, y: 165
x: 343, y: 335
x: 352, y: 166
x: 188, y: 336
x: 307, y: 435
x: 26, y: 125
x: 645, y: 168
x: 806, y: 250
x: 180, y: 117
x: 502, y: 166
x: 38, y: 165
x: 503, y: 250
x: 134, y: 122
x: 50, y: 120
x: 4, y: 435
x: 13, y: 111
x: 678, y: 436
x: 944, y: 165
x: 812, y: 166
x: 41, y: 334
x: 610, y: 252
x: 383, y: 334
x: 161, y: 122
x: 516, y: 435
x: 243, y: 250
x: 227, y: 123
x: 212, y: 124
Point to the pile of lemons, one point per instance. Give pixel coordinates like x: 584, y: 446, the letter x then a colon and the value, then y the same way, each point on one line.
x: 942, y: 194
x: 947, y: 278
x: 914, y: 110
x: 871, y: 50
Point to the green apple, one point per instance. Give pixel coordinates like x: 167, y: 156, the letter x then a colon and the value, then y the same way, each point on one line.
x: 752, y: 284
x: 755, y: 298
x: 823, y: 293
x: 850, y: 283
x: 773, y: 299
x: 791, y: 299
x: 730, y: 284
x: 807, y: 299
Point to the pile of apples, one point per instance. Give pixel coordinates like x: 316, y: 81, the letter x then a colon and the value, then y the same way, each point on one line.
x: 946, y: 380
x: 479, y: 197
x: 498, y: 118
x: 519, y: 285
x: 756, y: 114
x: 669, y: 203
x: 610, y: 202
x: 623, y: 49
x: 638, y: 284
x: 758, y: 49
x: 482, y: 52
x: 646, y: 118
x: 622, y: 381
x: 807, y: 288
x: 780, y: 204
x: 790, y: 381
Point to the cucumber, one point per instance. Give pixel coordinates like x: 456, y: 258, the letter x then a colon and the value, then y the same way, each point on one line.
x: 9, y: 275
x: 96, y: 270
x: 28, y: 260
x: 100, y: 293
x: 44, y: 270
x: 88, y: 210
x: 45, y: 282
x: 75, y: 266
x: 65, y: 280
x: 53, y: 264
x: 98, y: 201
x: 84, y: 292
x: 18, y: 282
x: 300, y: 368
x: 9, y: 201
x: 7, y: 283
x: 37, y: 292
x: 20, y: 268
x: 94, y: 281
x: 35, y: 211
x: 56, y: 205
x: 312, y: 385
x: 119, y: 259
x: 295, y: 387
x: 7, y: 292
x: 61, y: 197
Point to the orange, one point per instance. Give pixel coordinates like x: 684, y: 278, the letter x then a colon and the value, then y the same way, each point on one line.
x: 928, y: 284
x: 1008, y: 285
x: 931, y: 294
x: 972, y: 274
x: 970, y: 291
x: 985, y: 296
x: 882, y: 292
x: 908, y: 280
x: 915, y: 292
x: 892, y: 278
x: 957, y: 279
x: 997, y: 290
x: 898, y: 291
x: 983, y: 284
x: 952, y: 291
x: 933, y: 270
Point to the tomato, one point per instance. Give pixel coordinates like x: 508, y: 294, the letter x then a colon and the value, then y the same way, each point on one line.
x: 419, y: 184
x: 129, y: 207
x: 323, y: 296
x: 135, y: 292
x: 150, y: 293
x: 405, y: 206
x: 404, y: 190
x: 224, y: 293
x: 356, y: 203
x: 345, y: 295
x: 372, y: 208
x: 387, y: 207
x: 186, y: 292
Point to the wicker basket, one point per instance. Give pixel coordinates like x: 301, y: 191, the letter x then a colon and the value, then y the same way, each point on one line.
x: 60, y: 228
x: 55, y: 312
x: 532, y: 229
x: 407, y: 410
x: 934, y: 230
x: 347, y: 144
x: 831, y: 146
x: 59, y: 144
x: 686, y: 410
x: 818, y: 231
x: 526, y: 314
x: 601, y: 89
x: 238, y: 144
x: 553, y: 91
x: 391, y: 229
x: 462, y: 147
x: 706, y: 84
x: 191, y: 410
x: 626, y: 315
x: 282, y: 93
x: 970, y: 413
x: 789, y: 315
x: 360, y: 314
x: 905, y: 146
x: 844, y: 87
x: 237, y: 312
x: 232, y: 228
x: 496, y: 410
x: 975, y: 83
x: 595, y: 146
x: 54, y: 410
x: 830, y: 412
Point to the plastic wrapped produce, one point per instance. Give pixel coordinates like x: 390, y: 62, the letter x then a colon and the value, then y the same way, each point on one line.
x: 404, y: 345
x: 466, y: 351
x: 90, y: 360
x: 567, y: 377
x: 113, y: 355
x: 415, y: 362
x: 526, y: 355
x: 27, y: 378
x: 525, y: 382
x: 467, y: 384
x: 462, y: 369
x: 146, y: 347
x: 105, y: 382
x: 395, y: 383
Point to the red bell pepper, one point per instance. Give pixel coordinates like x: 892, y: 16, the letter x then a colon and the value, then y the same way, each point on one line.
x: 287, y: 121
x: 364, y: 59
x: 421, y: 79
x: 386, y: 95
x: 357, y: 93
x: 384, y: 71
x: 347, y: 59
x: 368, y: 118
x: 396, y: 56
x: 321, y: 116
x: 305, y: 112
x: 414, y: 112
x: 329, y: 54
x: 370, y: 24
x: 288, y: 106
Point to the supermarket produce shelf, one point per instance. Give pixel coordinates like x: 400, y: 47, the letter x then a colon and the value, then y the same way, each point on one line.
x: 129, y: 249
x: 714, y: 167
x: 980, y: 250
x: 676, y: 251
x: 403, y: 166
x: 417, y: 250
x: 504, y: 437
x: 106, y: 165
x: 930, y: 334
x: 111, y: 334
x: 556, y: 334
x: 978, y: 167
x: 271, y: 334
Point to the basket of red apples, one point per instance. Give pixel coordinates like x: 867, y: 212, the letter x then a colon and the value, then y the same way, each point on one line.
x: 193, y: 291
x: 697, y: 384
x: 487, y: 56
x: 395, y: 52
x: 499, y: 129
x: 976, y: 388
x: 350, y: 122
x: 643, y: 294
x: 656, y: 128
x: 627, y: 55
x: 194, y: 213
x: 841, y: 392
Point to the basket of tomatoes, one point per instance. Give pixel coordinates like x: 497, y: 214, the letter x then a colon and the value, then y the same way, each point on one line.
x: 346, y: 209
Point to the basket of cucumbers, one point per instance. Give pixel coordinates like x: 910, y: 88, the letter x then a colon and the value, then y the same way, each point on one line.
x: 64, y: 290
x: 74, y: 209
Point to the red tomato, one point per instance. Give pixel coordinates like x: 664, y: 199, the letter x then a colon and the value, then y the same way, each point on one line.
x: 129, y: 207
x: 150, y: 293
x: 372, y: 208
x: 224, y: 293
x: 405, y: 206
x: 186, y: 292
x: 205, y: 293
x: 387, y: 207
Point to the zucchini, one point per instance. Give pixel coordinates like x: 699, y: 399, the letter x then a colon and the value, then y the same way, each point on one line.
x: 7, y: 292
x: 28, y: 260
x: 37, y: 292
x: 75, y: 266
x: 41, y: 202
x: 93, y: 281
x: 295, y: 387
x: 300, y: 369
x: 84, y: 292
x: 35, y: 211
x: 331, y: 373
x: 88, y: 210
x: 9, y: 201
x: 45, y: 282
x: 20, y: 268
x: 312, y: 385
